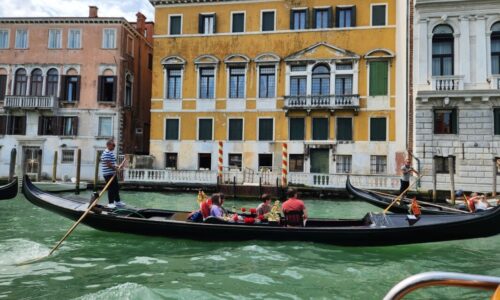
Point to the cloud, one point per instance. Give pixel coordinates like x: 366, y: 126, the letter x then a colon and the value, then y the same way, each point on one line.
x: 76, y: 8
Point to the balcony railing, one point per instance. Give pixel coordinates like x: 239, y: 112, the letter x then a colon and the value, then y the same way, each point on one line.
x: 322, y: 102
x: 30, y: 102
x: 447, y: 83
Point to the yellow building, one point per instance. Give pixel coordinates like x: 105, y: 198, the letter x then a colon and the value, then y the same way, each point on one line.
x: 325, y: 77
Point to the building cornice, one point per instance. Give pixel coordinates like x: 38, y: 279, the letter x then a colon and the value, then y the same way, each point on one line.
x: 157, y: 3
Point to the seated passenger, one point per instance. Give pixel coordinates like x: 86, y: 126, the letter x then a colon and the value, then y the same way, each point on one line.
x: 294, y: 209
x: 205, y: 207
x: 216, y: 209
x: 265, y: 206
x: 480, y: 203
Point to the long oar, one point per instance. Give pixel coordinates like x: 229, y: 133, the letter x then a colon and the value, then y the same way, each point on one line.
x: 401, y: 195
x: 94, y: 203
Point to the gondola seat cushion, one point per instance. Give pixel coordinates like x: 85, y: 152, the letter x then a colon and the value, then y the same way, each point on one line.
x: 294, y: 218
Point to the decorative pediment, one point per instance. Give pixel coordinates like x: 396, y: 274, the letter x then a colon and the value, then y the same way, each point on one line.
x: 236, y: 59
x: 267, y: 58
x: 206, y: 60
x: 379, y: 53
x: 321, y: 52
x: 173, y: 60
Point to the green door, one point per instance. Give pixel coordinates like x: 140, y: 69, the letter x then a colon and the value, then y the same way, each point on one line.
x: 319, y: 161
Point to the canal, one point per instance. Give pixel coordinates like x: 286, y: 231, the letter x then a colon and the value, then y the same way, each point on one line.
x: 99, y: 265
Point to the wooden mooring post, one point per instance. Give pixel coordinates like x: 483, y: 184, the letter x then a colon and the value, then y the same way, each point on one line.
x: 54, y: 167
x: 495, y: 174
x: 434, y: 180
x: 78, y: 168
x: 234, y: 187
x: 451, y: 168
x: 96, y: 170
x: 12, y: 166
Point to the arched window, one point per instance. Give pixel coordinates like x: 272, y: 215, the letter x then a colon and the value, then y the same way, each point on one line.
x: 128, y: 91
x: 321, y: 80
x: 495, y: 48
x: 36, y: 82
x: 20, y: 83
x: 52, y: 82
x: 442, y: 50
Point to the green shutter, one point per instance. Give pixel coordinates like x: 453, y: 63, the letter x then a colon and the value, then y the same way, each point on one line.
x: 172, y: 129
x: 265, y: 129
x: 378, y: 129
x: 378, y: 78
x: 496, y: 114
x: 205, y: 129
x: 236, y: 129
x: 344, y: 129
x: 297, y: 126
x: 320, y: 129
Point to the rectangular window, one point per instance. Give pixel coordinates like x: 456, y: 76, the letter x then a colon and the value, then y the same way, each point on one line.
x: 445, y: 121
x: 345, y: 17
x: 71, y: 88
x: 175, y: 25
x: 266, y: 129
x: 4, y: 39
x: 47, y: 125
x: 298, y: 86
x: 267, y: 21
x: 443, y: 165
x: 296, y: 163
x: 378, y: 164
x: 207, y: 83
x: 235, y: 161
x: 105, y: 127
x: 267, y: 81
x: 74, y: 39
x: 320, y: 129
x: 235, y: 129
x: 204, y: 161
x: 496, y: 118
x: 127, y: 102
x: 379, y: 15
x: 378, y: 129
x: 172, y: 129
x: 297, y: 129
x: 205, y: 129
x: 344, y: 163
x: 3, y: 86
x: 343, y: 66
x: 171, y: 161
x: 107, y: 89
x: 265, y: 162
x: 237, y: 82
x: 344, y: 129
x: 174, y: 83
x: 130, y: 45
x: 298, y: 19
x: 22, y: 39
x: 238, y: 22
x: 343, y: 85
x: 16, y: 125
x: 206, y: 24
x: 67, y: 156
x: 495, y: 53
x: 55, y: 38
x: 378, y: 78
x: 69, y: 126
x: 109, y: 38
x: 322, y: 18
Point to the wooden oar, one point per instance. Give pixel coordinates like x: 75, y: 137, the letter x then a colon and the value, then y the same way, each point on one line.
x: 94, y: 203
x: 401, y: 195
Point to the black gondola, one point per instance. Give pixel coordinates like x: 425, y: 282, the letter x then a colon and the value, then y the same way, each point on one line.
x: 9, y: 190
x: 371, y: 230
x: 400, y: 207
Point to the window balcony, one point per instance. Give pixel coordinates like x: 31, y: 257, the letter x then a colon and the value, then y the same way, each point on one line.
x: 30, y: 102
x: 322, y: 102
x: 448, y: 83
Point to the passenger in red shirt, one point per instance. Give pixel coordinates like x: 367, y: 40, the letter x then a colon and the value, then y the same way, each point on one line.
x: 294, y: 204
x: 205, y: 207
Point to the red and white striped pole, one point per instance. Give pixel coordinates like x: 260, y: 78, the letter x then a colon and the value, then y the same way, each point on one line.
x: 221, y: 160
x: 284, y: 166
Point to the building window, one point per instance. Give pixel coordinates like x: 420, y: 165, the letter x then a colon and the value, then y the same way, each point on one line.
x: 69, y: 126
x: 267, y: 81
x: 204, y: 161
x: 296, y: 163
x: 21, y: 83
x: 16, y: 125
x: 297, y: 129
x: 172, y: 129
x: 130, y: 45
x: 235, y: 161
x: 320, y: 129
x: 238, y: 22
x: 442, y: 164
x: 171, y: 161
x: 4, y: 39
x: 343, y: 85
x: 175, y: 26
x: 36, y: 83
x: 379, y: 78
x: 47, y: 125
x: 445, y: 121
x: 107, y: 89
x: 322, y: 18
x: 22, y: 39
x: 266, y: 129
x: 109, y: 38
x: 52, y: 82
x: 298, y: 19
x: 127, y: 102
x: 496, y: 120
x: 298, y: 86
x: 321, y: 81
x: 174, y: 83
x: 206, y: 24
x: 442, y: 51
x: 237, y: 82
x: 378, y: 129
x: 3, y: 86
x: 265, y: 162
x: 62, y: 126
x: 55, y: 38
x: 378, y: 164
x: 105, y: 127
x: 344, y: 163
x: 379, y: 15
x: 68, y: 156
x: 495, y: 48
x: 344, y: 129
x: 71, y: 88
x: 235, y: 129
x: 207, y: 83
x: 346, y: 17
x: 267, y: 21
x: 74, y: 39
x: 205, y: 129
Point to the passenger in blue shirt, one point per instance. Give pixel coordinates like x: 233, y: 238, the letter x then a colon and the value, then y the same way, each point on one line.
x: 109, y: 169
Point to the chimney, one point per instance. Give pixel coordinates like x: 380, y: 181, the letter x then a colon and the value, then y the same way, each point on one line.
x: 141, y: 21
x: 93, y: 11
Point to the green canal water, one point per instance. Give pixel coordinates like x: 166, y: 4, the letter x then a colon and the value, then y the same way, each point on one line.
x: 100, y: 265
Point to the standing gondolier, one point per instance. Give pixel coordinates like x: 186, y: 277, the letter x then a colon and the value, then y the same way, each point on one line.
x: 407, y: 170
x: 109, y: 169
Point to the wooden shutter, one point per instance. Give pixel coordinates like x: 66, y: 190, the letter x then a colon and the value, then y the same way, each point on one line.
x: 378, y: 78
x: 172, y: 129
x: 99, y: 87
x: 353, y: 16
x: 235, y: 130
x: 297, y: 126
x: 205, y: 129
x: 497, y: 120
x: 313, y: 21
x: 40, y: 125
x: 75, y: 125
x: 22, y: 126
x: 115, y: 85
x: 200, y: 23
x: 214, y: 28
x: 63, y: 88
x: 292, y: 23
x: 454, y: 121
x: 266, y: 129
x: 337, y: 17
x: 320, y: 129
x: 3, y: 86
x: 344, y: 129
x: 307, y: 25
x: 3, y: 124
x: 78, y: 84
x: 330, y: 17
x: 378, y: 129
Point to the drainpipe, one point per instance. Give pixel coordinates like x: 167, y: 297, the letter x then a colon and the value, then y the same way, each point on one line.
x: 418, y: 169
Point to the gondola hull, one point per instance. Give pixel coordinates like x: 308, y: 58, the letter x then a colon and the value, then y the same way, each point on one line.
x: 372, y: 230
x: 9, y: 190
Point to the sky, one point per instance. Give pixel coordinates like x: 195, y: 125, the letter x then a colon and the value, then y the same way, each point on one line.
x: 76, y: 8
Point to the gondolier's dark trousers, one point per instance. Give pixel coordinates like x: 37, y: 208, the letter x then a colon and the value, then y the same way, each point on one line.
x: 114, y: 189
x: 404, y: 186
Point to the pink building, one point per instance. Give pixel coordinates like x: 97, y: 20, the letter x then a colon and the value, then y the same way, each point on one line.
x: 73, y: 83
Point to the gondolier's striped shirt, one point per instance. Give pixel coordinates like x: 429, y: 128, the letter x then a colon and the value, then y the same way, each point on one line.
x: 108, y: 156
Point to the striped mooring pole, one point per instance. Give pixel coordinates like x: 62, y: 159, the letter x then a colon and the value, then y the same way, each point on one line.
x: 221, y: 160
x: 284, y: 166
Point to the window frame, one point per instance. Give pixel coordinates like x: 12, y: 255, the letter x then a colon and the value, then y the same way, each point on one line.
x: 496, y: 120
x: 20, y: 86
x: 454, y: 120
x: 176, y: 160
x: 231, y: 25
x: 79, y: 43
x: 259, y: 138
x: 201, y: 76
x: 66, y: 81
x: 290, y: 129
x: 274, y: 91
x: 442, y: 166
x: 386, y: 135
x: 340, y: 163
x: 169, y: 68
x: 292, y: 163
x: 102, y: 88
x: 198, y: 123
x: 234, y: 154
x: 386, y: 21
x: 99, y: 131
x: 337, y: 127
x: 170, y: 16
x: 229, y: 83
x: 66, y: 162
x: 36, y: 86
x: 25, y: 40
x: 7, y: 39
x: 178, y: 128
x: 202, y: 29
x: 352, y: 19
x: 242, y: 129
x: 262, y: 20
x: 495, y: 36
x: 200, y: 154
x: 374, y: 168
x: 104, y: 44
x: 259, y: 167
x: 329, y: 17
x: 313, y: 131
x: 376, y: 93
x: 303, y: 10
x: 57, y: 38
